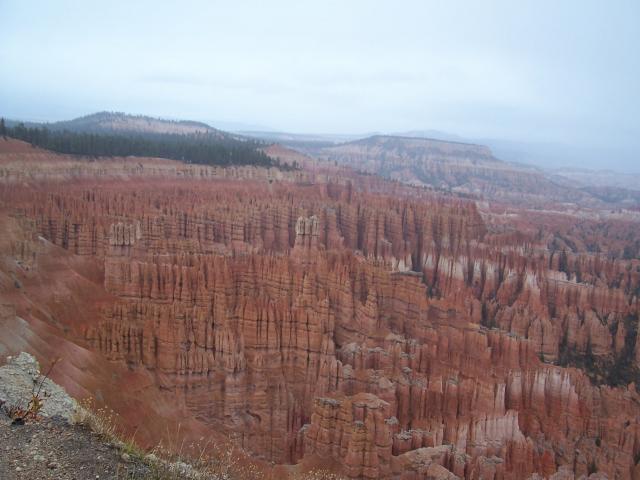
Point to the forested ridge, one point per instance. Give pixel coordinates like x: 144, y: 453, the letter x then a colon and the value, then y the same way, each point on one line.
x: 207, y: 148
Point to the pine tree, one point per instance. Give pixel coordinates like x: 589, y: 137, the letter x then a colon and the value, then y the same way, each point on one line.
x: 3, y: 128
x: 563, y: 263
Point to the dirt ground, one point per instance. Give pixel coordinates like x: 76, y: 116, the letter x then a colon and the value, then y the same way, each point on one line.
x: 53, y: 449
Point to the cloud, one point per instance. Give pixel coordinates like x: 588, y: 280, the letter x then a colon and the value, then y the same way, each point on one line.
x: 529, y: 70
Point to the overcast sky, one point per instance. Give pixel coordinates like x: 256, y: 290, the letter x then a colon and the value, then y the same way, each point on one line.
x: 556, y: 71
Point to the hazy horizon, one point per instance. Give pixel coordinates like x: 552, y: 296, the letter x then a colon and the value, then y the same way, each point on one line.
x: 542, y: 73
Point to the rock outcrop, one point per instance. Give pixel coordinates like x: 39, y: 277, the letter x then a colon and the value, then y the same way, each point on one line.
x: 21, y: 379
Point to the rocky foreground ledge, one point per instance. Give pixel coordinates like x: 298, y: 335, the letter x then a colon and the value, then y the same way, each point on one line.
x: 56, y: 444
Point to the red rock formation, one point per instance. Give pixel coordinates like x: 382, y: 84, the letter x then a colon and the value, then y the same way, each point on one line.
x: 397, y: 332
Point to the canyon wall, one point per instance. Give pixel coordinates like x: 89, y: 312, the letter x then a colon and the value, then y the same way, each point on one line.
x: 390, y: 331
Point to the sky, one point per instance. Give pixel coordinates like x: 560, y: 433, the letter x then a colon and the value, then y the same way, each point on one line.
x: 562, y: 73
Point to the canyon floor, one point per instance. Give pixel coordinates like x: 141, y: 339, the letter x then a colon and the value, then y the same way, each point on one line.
x: 326, y: 318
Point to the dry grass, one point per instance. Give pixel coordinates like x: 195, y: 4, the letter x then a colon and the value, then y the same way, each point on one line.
x: 319, y: 475
x: 173, y: 459
x: 205, y: 459
x: 103, y: 421
x: 99, y: 420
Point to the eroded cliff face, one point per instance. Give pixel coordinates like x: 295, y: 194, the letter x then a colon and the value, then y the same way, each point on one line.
x: 397, y: 334
x: 465, y: 168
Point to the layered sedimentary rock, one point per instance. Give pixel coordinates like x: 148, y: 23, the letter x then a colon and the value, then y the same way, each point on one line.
x: 469, y: 169
x: 396, y: 332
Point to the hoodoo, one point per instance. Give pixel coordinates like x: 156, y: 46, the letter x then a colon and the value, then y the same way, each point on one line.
x: 392, y: 332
